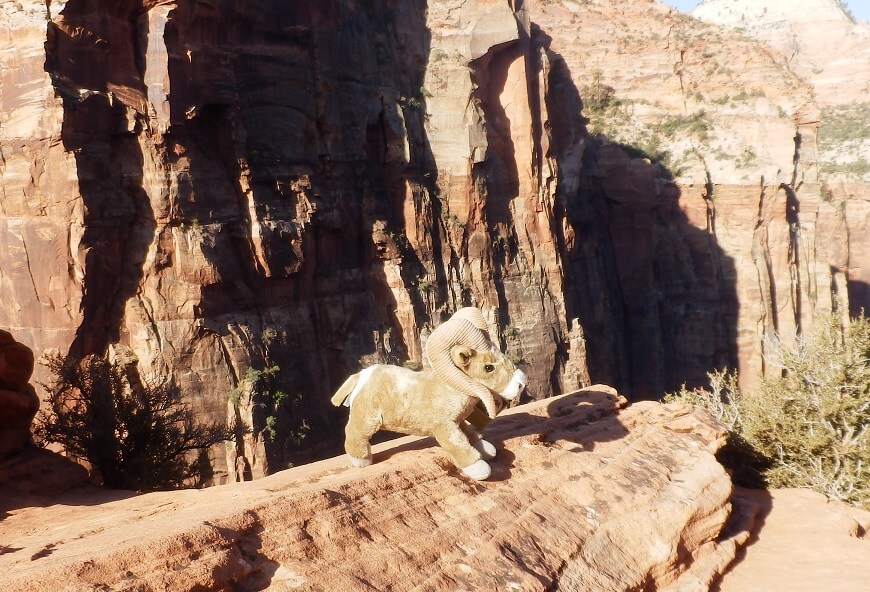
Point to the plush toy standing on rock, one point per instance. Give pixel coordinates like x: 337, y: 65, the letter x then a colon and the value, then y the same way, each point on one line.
x: 467, y: 367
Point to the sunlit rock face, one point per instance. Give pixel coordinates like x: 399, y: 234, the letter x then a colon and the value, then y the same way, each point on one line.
x: 825, y: 47
x: 253, y: 199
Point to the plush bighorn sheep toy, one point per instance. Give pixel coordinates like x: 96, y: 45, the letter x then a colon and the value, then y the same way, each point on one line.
x: 467, y: 367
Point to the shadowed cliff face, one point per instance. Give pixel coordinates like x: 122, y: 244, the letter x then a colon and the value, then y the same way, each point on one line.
x: 654, y: 294
x: 254, y: 200
x: 243, y: 170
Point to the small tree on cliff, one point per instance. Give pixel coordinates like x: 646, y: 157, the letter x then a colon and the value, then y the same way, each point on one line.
x: 137, y: 439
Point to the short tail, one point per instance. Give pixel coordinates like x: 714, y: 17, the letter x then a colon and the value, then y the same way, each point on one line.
x: 344, y: 390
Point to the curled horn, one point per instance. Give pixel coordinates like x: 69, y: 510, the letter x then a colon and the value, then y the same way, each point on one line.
x: 460, y: 330
x: 473, y: 315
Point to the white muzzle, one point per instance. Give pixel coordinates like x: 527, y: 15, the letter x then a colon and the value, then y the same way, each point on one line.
x: 514, y: 387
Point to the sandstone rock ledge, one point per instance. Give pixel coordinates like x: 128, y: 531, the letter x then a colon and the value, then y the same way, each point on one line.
x: 587, y: 494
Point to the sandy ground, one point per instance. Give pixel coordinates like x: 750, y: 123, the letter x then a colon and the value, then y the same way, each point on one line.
x: 802, y: 543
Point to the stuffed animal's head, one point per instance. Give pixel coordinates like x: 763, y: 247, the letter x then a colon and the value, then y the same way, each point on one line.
x: 490, y: 368
x: 462, y: 354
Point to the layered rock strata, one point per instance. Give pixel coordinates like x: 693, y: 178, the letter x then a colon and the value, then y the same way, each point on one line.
x: 583, y: 496
x: 821, y: 43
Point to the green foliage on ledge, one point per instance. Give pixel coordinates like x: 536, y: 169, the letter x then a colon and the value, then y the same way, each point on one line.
x: 807, y: 427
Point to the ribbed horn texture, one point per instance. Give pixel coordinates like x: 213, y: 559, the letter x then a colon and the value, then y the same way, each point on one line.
x: 460, y: 331
x: 473, y: 315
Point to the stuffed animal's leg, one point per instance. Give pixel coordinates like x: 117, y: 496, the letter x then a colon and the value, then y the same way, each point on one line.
x: 452, y: 439
x: 356, y: 442
x: 486, y: 449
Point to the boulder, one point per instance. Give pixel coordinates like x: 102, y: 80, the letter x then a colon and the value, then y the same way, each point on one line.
x: 18, y: 400
x: 16, y: 363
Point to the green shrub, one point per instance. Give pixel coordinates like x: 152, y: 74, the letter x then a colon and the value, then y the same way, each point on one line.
x: 138, y: 439
x: 808, y: 427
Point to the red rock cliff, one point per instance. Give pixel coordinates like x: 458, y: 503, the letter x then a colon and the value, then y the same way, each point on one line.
x: 204, y: 188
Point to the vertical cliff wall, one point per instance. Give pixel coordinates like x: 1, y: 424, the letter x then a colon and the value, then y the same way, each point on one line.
x: 254, y: 199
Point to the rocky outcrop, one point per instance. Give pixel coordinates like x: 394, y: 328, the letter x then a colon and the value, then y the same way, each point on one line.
x: 254, y: 201
x: 18, y: 400
x: 25, y: 468
x: 706, y: 197
x: 584, y: 496
x: 817, y: 40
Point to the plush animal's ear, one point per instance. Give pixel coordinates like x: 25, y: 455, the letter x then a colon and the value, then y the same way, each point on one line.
x: 461, y: 355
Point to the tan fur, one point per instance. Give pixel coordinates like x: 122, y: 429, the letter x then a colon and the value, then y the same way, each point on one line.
x: 420, y: 403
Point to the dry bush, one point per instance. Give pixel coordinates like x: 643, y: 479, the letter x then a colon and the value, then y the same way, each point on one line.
x: 808, y: 427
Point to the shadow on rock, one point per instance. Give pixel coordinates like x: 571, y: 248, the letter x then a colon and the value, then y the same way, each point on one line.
x: 40, y: 477
x: 582, y: 418
x: 750, y: 508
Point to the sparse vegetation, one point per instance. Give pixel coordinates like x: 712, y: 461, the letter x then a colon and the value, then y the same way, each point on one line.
x: 597, y: 96
x: 695, y: 124
x: 844, y: 123
x: 842, y: 6
x: 747, y: 158
x: 510, y: 331
x: 855, y: 168
x: 452, y: 221
x: 278, y: 411
x: 844, y: 140
x: 810, y: 425
x: 424, y: 285
x: 136, y: 438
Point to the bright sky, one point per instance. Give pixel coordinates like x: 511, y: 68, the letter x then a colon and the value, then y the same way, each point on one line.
x: 860, y: 8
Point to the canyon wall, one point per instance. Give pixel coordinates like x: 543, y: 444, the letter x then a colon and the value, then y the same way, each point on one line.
x: 254, y: 200
x: 830, y: 50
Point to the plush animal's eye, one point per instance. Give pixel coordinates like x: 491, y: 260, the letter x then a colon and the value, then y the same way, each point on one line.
x: 489, y: 367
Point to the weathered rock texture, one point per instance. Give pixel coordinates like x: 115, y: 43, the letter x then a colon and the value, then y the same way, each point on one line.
x: 253, y: 197
x: 584, y: 497
x: 816, y: 38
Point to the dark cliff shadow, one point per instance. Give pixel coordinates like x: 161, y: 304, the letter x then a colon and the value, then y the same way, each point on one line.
x: 103, y: 97
x: 859, y: 298
x: 255, y: 569
x: 293, y: 177
x: 655, y: 294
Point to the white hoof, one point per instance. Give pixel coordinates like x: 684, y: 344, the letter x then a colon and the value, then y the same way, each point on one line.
x: 486, y: 449
x: 479, y: 470
x: 359, y: 462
